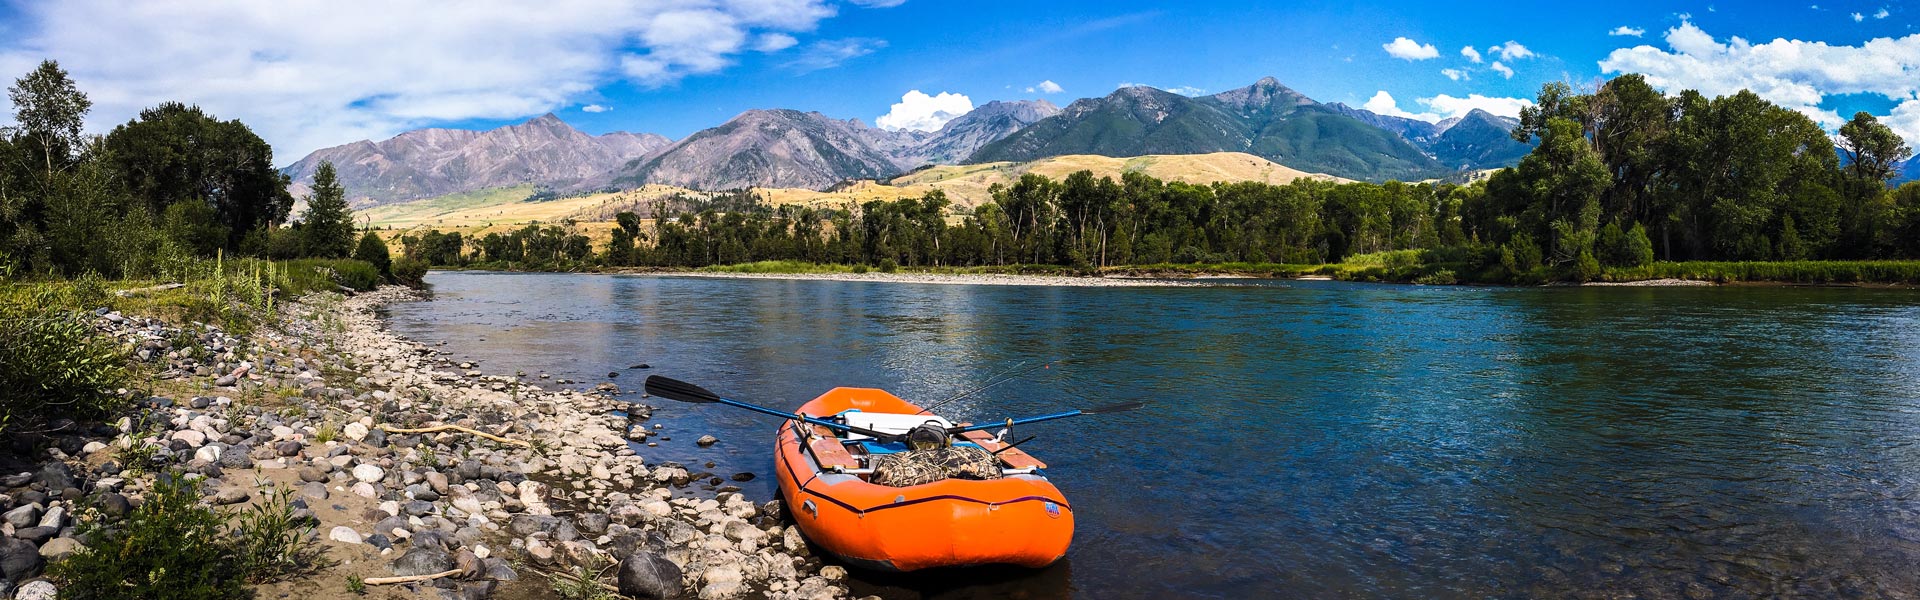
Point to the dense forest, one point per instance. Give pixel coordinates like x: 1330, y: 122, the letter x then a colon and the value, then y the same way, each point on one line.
x: 1621, y: 177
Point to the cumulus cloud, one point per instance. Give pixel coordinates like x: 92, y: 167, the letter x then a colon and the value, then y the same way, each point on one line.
x: 595, y: 108
x: 1443, y: 106
x: 311, y: 73
x: 1511, y: 51
x: 827, y: 54
x: 1045, y: 87
x: 1857, y: 17
x: 1503, y: 70
x: 920, y: 112
x: 1406, y: 49
x: 1795, y: 74
x: 1456, y: 74
x: 1470, y: 53
x: 1625, y: 31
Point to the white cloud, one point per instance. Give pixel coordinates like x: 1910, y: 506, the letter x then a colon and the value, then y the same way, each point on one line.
x: 1187, y: 90
x: 1045, y: 87
x: 877, y: 3
x: 1795, y: 74
x: 920, y: 112
x: 1511, y: 51
x: 1407, y: 49
x: 1503, y: 70
x: 1443, y: 106
x: 595, y: 108
x: 774, y: 42
x: 1456, y: 74
x: 1625, y: 31
x: 311, y: 73
x: 1857, y: 17
x: 1470, y: 53
x: 827, y: 54
x: 1881, y: 14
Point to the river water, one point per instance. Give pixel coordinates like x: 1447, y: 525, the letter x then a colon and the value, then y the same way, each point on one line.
x: 1319, y: 439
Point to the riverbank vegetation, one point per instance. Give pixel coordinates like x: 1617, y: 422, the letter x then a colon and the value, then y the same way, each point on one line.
x: 1624, y: 182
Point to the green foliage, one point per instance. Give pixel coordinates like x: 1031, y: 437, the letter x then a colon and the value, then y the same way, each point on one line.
x: 356, y: 585
x: 174, y: 153
x: 170, y: 547
x: 372, y: 250
x: 888, y: 266
x: 1808, y: 271
x: 860, y: 269
x: 409, y: 271
x: 270, y: 543
x: 582, y: 582
x: 327, y: 224
x: 53, y: 364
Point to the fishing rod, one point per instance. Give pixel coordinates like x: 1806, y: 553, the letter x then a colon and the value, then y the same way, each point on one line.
x: 991, y: 382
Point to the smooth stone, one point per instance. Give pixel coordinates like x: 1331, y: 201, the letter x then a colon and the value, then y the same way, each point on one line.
x: 368, y: 473
x: 706, y: 440
x: 314, y: 490
x: 422, y: 561
x: 19, y: 559
x: 345, y: 535
x: 24, y: 516
x: 645, y: 575
x: 354, y: 431
x: 192, y: 438
x: 58, y: 548
x: 37, y: 535
x: 232, y: 495
x: 39, y: 589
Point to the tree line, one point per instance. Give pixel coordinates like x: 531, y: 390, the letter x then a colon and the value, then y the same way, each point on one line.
x: 1620, y: 177
x: 173, y: 184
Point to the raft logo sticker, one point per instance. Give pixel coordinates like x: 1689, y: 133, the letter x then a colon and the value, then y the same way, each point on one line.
x: 1053, y: 510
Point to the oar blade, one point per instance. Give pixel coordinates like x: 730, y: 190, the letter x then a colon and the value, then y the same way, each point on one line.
x: 1113, y: 408
x: 674, y: 389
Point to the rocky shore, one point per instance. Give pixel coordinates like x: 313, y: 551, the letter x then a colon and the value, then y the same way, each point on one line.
x: 384, y: 446
x: 965, y: 279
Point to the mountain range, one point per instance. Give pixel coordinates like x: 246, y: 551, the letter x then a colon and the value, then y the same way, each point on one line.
x: 780, y: 148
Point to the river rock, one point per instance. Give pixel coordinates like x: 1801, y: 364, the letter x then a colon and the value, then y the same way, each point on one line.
x: 192, y: 438
x: 25, y: 516
x: 422, y: 561
x: 39, y: 589
x: 345, y: 535
x: 354, y: 431
x: 55, y: 517
x: 646, y: 575
x: 437, y: 481
x: 368, y: 473
x: 58, y: 548
x: 707, y: 440
x: 37, y: 535
x: 19, y: 559
x: 232, y: 495
x: 287, y: 448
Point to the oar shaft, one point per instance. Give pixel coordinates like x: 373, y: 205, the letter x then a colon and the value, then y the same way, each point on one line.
x: 984, y: 427
x: 821, y: 422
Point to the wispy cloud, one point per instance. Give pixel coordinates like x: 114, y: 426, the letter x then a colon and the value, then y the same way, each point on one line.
x: 1456, y: 74
x: 877, y: 3
x: 1503, y: 70
x: 595, y: 108
x: 827, y: 54
x: 1511, y: 51
x: 1625, y: 31
x: 1470, y: 53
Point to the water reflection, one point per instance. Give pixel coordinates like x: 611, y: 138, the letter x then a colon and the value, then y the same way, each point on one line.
x: 1319, y: 439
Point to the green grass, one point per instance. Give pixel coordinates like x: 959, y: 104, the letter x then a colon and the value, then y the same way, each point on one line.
x: 419, y: 211
x: 1803, y: 271
x: 779, y: 266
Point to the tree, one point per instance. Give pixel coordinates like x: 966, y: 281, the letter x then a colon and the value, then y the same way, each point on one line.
x: 328, y: 222
x: 50, y: 111
x: 174, y: 152
x: 1874, y: 152
x: 373, y: 250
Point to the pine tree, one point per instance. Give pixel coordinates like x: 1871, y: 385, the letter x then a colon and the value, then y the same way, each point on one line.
x: 328, y: 222
x: 374, y: 251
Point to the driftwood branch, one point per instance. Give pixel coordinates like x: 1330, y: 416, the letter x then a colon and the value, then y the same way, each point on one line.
x: 409, y: 578
x: 437, y: 428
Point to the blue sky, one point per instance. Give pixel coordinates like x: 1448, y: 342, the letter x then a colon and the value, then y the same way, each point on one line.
x: 311, y: 74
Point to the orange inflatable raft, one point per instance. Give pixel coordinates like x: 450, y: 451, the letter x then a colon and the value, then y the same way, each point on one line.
x: 1019, y: 519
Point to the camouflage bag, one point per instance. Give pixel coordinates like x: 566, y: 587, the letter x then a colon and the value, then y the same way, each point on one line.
x: 915, y: 467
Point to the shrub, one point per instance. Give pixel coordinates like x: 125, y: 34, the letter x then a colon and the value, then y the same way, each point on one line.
x: 270, y: 543
x: 52, y: 363
x: 374, y: 252
x: 347, y: 273
x: 887, y: 265
x: 170, y: 547
x: 410, y: 271
x: 1440, y: 277
x: 859, y: 269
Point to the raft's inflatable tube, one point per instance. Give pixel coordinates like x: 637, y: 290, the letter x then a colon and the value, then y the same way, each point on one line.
x: 1020, y: 519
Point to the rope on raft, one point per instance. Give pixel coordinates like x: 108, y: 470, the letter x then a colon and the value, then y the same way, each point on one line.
x: 438, y: 428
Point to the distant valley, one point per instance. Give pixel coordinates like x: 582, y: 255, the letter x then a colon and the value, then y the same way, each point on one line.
x: 1276, y: 129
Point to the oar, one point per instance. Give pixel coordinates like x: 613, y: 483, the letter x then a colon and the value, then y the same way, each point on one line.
x: 1113, y: 408
x: 674, y: 389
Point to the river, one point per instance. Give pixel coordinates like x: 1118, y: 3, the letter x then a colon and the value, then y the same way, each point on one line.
x: 1318, y: 439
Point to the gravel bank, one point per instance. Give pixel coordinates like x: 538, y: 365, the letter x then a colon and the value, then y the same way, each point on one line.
x: 313, y: 406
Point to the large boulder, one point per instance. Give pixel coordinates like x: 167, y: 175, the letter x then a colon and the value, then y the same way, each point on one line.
x: 646, y: 575
x: 19, y: 559
x: 422, y: 561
